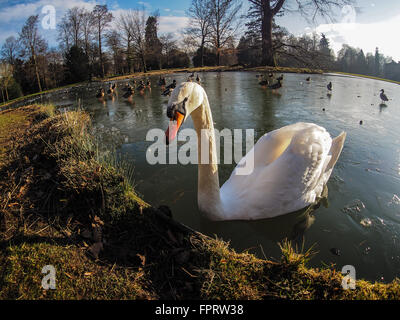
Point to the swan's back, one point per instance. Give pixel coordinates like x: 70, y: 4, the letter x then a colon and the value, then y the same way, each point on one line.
x: 291, y: 167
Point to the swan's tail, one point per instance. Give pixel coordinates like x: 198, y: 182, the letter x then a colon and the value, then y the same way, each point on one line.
x: 336, y: 149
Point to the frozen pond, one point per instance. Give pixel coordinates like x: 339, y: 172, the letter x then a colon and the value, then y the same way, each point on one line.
x: 362, y: 219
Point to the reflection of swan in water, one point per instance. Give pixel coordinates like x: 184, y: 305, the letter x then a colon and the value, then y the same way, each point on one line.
x: 248, y: 234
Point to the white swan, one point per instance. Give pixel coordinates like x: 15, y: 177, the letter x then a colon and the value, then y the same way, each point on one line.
x: 291, y: 164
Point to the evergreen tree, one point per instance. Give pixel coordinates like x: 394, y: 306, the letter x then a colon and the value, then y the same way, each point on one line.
x: 153, y: 44
x: 77, y: 65
x: 209, y: 57
x: 248, y: 51
x: 361, y: 63
x: 324, y: 45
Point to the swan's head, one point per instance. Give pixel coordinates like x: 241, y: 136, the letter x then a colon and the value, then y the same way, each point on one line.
x: 185, y: 98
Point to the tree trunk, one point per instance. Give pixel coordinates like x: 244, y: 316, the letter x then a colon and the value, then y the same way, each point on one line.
x: 143, y: 63
x: 101, y: 54
x: 218, y: 48
x: 202, y: 54
x: 218, y: 52
x: 36, y: 70
x: 129, y: 57
x: 266, y: 33
x: 7, y: 94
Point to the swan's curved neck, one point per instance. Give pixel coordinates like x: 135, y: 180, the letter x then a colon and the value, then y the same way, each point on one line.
x: 208, y: 195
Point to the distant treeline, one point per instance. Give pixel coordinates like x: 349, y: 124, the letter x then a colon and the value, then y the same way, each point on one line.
x: 97, y: 44
x: 314, y: 51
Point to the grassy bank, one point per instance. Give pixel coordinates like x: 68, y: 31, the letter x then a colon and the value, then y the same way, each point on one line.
x: 6, y: 104
x: 216, y: 69
x: 63, y: 203
x: 365, y: 76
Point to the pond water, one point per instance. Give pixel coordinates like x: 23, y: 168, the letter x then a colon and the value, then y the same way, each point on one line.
x: 362, y: 218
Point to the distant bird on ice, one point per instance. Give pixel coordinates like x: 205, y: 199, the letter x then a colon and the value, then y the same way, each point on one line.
x: 383, y: 96
x: 169, y: 89
x: 111, y: 89
x: 263, y: 82
x: 129, y: 93
x: 100, y: 93
x: 276, y: 85
x: 329, y: 86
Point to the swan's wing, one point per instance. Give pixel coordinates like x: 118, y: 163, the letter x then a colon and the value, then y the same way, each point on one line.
x: 306, y: 161
x: 272, y: 144
x: 335, y: 151
x: 288, y: 180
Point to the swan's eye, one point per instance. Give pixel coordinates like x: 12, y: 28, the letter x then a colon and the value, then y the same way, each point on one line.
x: 177, y: 107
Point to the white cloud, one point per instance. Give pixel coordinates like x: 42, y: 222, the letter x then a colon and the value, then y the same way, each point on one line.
x: 13, y: 17
x: 23, y: 10
x: 366, y: 36
x: 172, y: 24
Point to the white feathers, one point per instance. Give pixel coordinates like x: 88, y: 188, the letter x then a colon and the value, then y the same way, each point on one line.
x: 292, y: 165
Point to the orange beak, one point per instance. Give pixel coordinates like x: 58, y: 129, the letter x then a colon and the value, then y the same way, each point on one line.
x: 174, y: 125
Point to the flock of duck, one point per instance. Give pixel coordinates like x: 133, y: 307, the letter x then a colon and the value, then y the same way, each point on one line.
x: 267, y: 82
x: 132, y: 86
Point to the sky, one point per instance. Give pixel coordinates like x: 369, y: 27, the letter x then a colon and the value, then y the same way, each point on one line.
x: 366, y: 25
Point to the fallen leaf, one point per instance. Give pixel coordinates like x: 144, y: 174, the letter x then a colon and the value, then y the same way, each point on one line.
x: 142, y: 259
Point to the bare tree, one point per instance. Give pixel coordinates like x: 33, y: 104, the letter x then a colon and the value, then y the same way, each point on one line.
x: 114, y: 43
x: 6, y: 74
x: 224, y: 23
x: 32, y: 42
x: 168, y: 45
x: 126, y: 38
x: 10, y: 50
x: 263, y: 13
x: 75, y: 18
x: 87, y: 29
x: 188, y: 44
x: 101, y: 19
x: 133, y: 23
x: 64, y: 34
x: 199, y: 28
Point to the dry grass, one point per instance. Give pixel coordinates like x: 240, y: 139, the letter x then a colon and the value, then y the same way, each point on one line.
x: 215, y: 69
x: 365, y: 76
